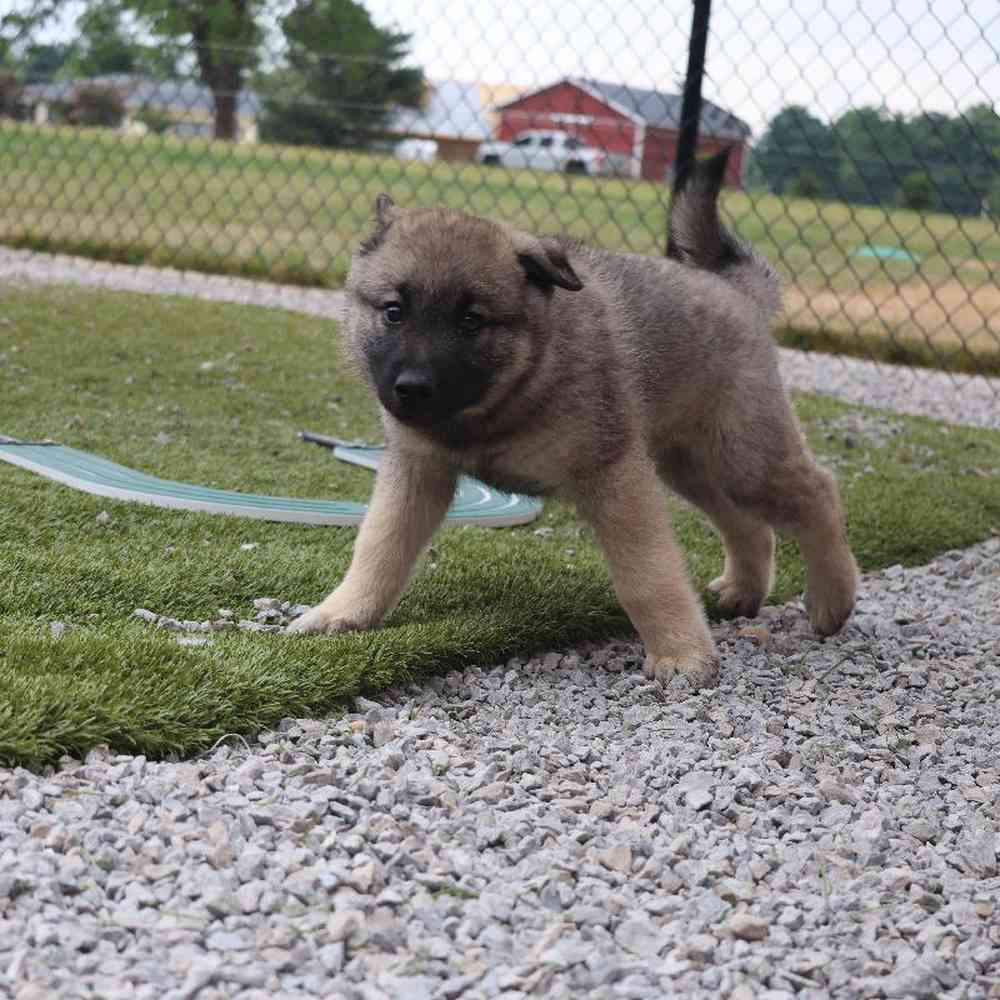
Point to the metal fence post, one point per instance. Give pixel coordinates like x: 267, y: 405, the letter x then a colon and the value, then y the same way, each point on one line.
x: 687, y: 141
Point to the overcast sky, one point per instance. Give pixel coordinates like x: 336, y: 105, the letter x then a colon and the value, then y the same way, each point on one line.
x: 941, y: 55
x: 762, y: 54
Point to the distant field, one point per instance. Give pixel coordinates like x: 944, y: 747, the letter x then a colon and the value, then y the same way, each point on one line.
x: 289, y: 214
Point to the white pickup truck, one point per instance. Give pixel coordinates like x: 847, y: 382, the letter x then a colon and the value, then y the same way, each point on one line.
x: 544, y: 150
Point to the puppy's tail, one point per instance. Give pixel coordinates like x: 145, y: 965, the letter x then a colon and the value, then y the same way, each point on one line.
x: 697, y: 237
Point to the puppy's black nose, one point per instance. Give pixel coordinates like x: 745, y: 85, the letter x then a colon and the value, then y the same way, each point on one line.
x: 412, y: 387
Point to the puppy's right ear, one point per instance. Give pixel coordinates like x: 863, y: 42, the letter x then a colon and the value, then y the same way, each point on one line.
x: 385, y: 214
x: 545, y: 263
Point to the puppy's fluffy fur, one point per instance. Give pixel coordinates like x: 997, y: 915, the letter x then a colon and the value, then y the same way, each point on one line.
x: 548, y: 367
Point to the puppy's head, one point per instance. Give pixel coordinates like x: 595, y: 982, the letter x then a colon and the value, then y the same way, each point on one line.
x: 448, y: 311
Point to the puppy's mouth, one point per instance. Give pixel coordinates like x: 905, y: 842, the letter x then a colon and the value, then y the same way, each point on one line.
x: 453, y: 427
x: 424, y: 398
x: 419, y: 413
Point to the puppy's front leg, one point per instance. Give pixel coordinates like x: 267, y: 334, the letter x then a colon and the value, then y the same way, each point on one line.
x: 411, y: 497
x: 628, y: 510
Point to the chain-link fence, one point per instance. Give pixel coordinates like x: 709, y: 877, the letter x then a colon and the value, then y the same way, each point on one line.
x: 865, y: 143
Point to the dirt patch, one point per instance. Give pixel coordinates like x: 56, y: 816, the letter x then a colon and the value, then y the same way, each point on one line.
x: 945, y: 314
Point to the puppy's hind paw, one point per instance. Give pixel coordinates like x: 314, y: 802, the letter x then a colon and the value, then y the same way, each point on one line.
x: 700, y: 669
x: 828, y: 616
x: 830, y: 600
x: 740, y: 601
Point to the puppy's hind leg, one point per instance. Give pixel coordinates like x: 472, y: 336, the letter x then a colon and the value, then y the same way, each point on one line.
x: 748, y: 575
x: 627, y: 507
x: 803, y: 500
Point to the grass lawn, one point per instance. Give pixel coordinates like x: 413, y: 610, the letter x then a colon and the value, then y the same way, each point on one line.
x: 292, y: 214
x: 115, y: 373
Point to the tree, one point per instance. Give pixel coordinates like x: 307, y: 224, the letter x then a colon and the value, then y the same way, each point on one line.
x: 11, y: 95
x: 806, y: 185
x: 876, y: 153
x: 224, y: 36
x: 17, y: 27
x: 43, y: 63
x: 103, y: 45
x: 155, y: 119
x: 796, y: 142
x: 917, y: 192
x: 991, y: 204
x: 103, y: 48
x: 871, y: 156
x: 342, y: 77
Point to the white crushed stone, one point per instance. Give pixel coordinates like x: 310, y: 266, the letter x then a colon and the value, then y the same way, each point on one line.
x: 954, y: 397
x: 28, y: 266
x: 825, y: 823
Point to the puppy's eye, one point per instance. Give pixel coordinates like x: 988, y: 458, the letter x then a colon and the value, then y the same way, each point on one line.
x: 471, y: 321
x: 393, y: 313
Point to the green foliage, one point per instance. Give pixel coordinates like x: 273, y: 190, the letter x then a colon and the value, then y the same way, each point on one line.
x: 224, y: 35
x: 155, y: 119
x: 993, y: 200
x: 869, y: 156
x: 342, y: 76
x: 917, y: 192
x: 42, y: 63
x: 806, y: 185
x: 103, y: 47
x: 109, y: 40
x: 795, y: 141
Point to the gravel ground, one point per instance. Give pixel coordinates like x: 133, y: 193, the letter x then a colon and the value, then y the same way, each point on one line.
x: 961, y: 399
x: 824, y: 823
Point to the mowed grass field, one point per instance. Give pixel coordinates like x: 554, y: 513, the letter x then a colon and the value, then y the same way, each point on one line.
x: 293, y: 215
x: 214, y: 393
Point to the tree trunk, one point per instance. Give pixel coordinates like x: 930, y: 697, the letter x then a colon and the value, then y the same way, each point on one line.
x: 226, y: 126
x: 222, y: 73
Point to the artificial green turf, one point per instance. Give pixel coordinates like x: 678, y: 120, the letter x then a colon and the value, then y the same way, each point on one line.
x: 230, y: 386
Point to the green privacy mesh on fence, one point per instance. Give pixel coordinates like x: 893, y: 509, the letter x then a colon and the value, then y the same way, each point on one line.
x: 252, y: 138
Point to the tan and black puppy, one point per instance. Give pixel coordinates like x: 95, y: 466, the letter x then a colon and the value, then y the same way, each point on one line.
x: 547, y: 367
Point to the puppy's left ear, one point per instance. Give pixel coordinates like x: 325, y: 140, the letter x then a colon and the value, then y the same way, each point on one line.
x: 545, y: 263
x: 385, y: 214
x: 385, y: 210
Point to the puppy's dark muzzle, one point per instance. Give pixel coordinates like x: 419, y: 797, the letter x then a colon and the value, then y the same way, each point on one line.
x: 413, y: 390
x: 414, y: 398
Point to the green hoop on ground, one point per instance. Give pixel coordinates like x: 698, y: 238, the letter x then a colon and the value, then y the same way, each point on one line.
x: 474, y: 502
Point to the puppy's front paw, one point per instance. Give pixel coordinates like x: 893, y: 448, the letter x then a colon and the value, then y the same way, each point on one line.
x: 698, y: 662
x: 319, y: 621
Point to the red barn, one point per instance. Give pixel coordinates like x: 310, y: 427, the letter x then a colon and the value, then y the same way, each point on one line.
x: 637, y: 128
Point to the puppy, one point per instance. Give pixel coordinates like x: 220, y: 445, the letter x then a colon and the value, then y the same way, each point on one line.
x: 543, y: 366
